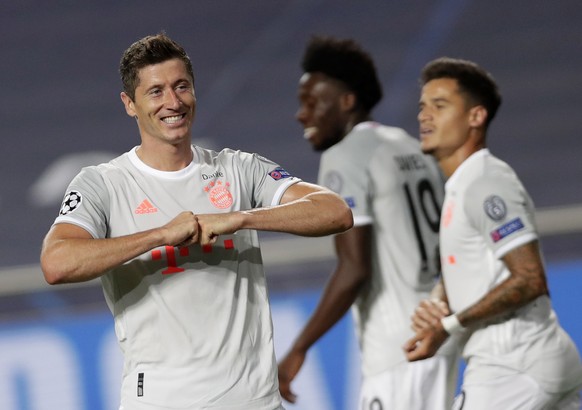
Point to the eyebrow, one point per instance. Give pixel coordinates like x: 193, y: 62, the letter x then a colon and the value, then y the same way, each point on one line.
x: 434, y: 100
x: 177, y: 82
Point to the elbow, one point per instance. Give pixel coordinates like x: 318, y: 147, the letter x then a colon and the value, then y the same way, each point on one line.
x: 345, y: 219
x: 53, y: 273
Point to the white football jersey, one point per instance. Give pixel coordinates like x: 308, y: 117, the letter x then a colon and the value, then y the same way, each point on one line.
x: 487, y: 213
x: 194, y: 322
x: 382, y: 174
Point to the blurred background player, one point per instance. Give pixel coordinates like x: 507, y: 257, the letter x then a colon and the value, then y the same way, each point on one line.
x: 387, y: 263
x: 170, y: 228
x: 518, y: 356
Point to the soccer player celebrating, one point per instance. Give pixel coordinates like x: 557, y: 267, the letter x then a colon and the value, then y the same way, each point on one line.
x: 170, y: 228
x: 518, y: 356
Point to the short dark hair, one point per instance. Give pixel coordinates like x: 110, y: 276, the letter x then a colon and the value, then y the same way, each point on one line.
x: 345, y: 60
x: 473, y: 81
x: 147, y: 51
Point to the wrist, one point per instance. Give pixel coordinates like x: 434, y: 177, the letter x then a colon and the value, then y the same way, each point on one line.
x: 452, y: 325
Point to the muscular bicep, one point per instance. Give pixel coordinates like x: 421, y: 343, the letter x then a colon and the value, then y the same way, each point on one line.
x: 58, y: 250
x: 63, y: 231
x: 300, y: 190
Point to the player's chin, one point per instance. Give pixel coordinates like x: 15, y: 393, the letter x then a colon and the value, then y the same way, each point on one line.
x: 427, y: 148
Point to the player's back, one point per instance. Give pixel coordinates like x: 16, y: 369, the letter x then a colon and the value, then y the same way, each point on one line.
x: 381, y: 172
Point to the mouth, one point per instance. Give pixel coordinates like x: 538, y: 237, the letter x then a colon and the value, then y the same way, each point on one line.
x: 173, y: 119
x: 309, y: 132
x: 425, y: 132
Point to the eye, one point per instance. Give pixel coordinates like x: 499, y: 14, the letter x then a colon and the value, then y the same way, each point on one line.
x: 183, y: 87
x: 155, y: 92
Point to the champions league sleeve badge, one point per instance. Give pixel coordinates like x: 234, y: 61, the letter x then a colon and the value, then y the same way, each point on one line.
x: 71, y: 202
x: 279, y: 173
x: 495, y: 207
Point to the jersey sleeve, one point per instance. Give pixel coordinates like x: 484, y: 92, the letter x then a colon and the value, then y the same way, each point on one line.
x: 86, y: 203
x: 349, y: 179
x: 266, y: 180
x: 501, y: 210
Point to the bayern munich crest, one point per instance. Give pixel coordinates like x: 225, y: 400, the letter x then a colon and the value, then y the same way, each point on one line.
x: 71, y: 202
x: 219, y: 195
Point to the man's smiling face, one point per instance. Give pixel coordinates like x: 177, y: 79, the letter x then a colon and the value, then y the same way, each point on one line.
x: 164, y: 103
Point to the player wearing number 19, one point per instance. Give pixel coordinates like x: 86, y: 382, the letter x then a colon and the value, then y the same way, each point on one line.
x: 387, y: 263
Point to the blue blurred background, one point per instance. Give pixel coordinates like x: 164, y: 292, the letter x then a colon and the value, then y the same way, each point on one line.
x: 60, y: 110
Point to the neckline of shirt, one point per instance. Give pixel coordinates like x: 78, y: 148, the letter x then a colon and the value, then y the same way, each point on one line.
x: 472, y: 158
x: 142, y: 166
x: 365, y: 125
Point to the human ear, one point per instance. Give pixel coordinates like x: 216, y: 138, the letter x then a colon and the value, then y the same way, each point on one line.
x: 129, y: 105
x: 478, y: 116
x: 348, y: 101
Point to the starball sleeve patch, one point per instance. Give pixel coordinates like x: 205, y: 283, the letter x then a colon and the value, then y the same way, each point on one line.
x: 71, y: 202
x: 495, y: 207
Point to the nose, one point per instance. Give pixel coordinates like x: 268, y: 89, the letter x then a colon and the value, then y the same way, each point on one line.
x: 422, y: 115
x: 301, y: 115
x: 172, y: 100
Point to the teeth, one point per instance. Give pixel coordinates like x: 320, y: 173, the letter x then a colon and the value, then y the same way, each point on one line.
x: 308, y: 132
x: 172, y: 120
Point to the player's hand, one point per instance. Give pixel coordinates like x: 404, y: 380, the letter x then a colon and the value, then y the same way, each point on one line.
x: 214, y: 225
x: 428, y: 314
x: 182, y: 230
x: 288, y: 369
x: 425, y: 344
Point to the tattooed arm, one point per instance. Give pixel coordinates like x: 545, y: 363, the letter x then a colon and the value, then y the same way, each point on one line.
x: 527, y: 281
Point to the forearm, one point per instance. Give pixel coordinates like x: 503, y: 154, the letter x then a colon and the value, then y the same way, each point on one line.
x: 336, y: 300
x: 316, y: 214
x: 526, y: 283
x: 83, y: 259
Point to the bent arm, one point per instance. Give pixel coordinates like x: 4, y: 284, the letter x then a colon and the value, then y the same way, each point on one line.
x: 305, y: 209
x: 70, y: 254
x: 527, y: 281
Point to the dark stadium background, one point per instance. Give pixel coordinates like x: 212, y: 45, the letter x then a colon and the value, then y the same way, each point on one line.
x: 60, y: 106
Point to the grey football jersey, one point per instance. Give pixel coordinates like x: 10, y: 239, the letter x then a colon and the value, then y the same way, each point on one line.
x: 487, y: 213
x: 382, y: 174
x: 194, y: 322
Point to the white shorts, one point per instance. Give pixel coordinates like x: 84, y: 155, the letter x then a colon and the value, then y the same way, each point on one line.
x: 517, y: 391
x: 426, y: 384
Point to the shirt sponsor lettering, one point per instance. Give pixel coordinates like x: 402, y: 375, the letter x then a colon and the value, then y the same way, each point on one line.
x: 217, y: 174
x: 507, y: 229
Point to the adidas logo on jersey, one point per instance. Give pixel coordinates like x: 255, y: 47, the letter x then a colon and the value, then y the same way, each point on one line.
x: 146, y: 207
